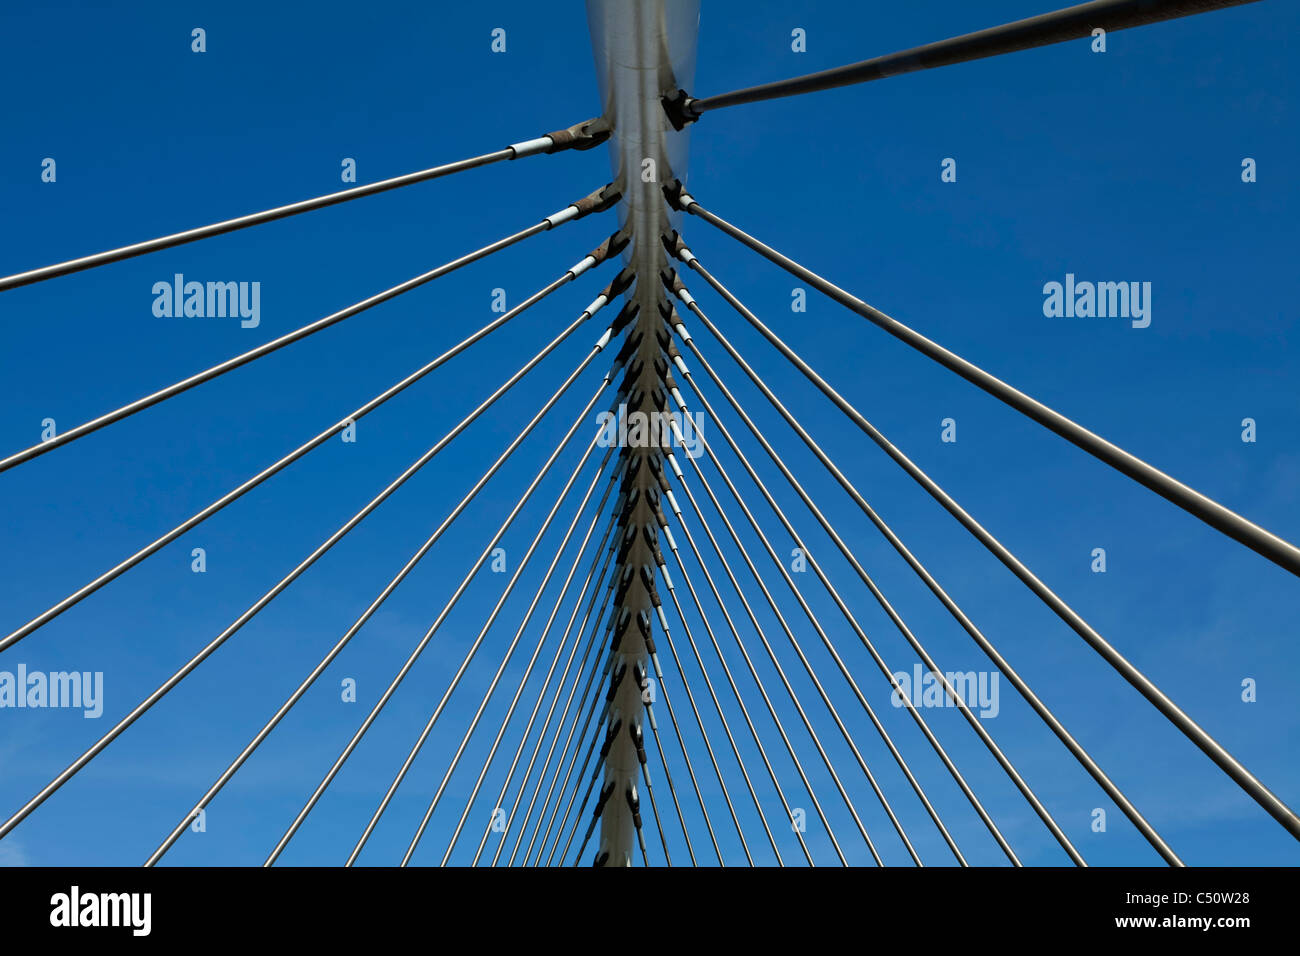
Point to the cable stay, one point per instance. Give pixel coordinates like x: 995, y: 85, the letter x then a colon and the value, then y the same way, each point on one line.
x: 615, y: 724
x: 365, y: 616
x: 579, y: 136
x: 637, y: 733
x: 559, y: 651
x: 591, y: 781
x: 537, y: 829
x: 731, y: 681
x: 834, y: 714
x: 810, y: 614
x: 559, y: 689
x: 1013, y: 774
x: 1282, y: 553
x: 593, y: 581
x: 1070, y: 23
x: 1247, y: 781
x: 611, y: 713
x: 293, y: 575
x: 704, y: 734
x: 477, y: 643
x: 616, y: 628
x: 785, y: 683
x: 717, y: 596
x: 663, y: 760
x: 597, y: 201
x: 428, y: 636
x: 232, y: 495
x: 618, y: 675
x: 1048, y: 717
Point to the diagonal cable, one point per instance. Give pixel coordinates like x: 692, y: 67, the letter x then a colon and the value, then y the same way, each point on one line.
x: 608, y: 615
x: 519, y: 633
x: 237, y: 492
x: 579, y: 136
x: 731, y: 682
x: 1282, y: 553
x: 974, y: 722
x: 704, y: 734
x: 812, y: 617
x: 428, y: 636
x: 593, y: 203
x: 266, y: 598
x: 1247, y: 781
x: 555, y: 660
x: 998, y: 660
x: 762, y: 636
x: 717, y: 596
x: 1058, y: 26
x: 397, y: 579
x: 532, y: 760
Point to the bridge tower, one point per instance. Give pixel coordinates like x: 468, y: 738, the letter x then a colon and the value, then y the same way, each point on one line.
x: 644, y: 50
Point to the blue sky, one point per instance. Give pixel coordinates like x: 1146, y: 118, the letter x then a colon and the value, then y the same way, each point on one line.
x: 1122, y: 166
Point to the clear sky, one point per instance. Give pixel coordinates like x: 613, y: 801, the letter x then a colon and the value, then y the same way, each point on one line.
x: 1122, y: 166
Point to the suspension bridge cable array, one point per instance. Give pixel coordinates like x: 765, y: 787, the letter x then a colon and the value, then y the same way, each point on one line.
x: 266, y: 598
x: 597, y: 764
x: 478, y: 642
x: 1282, y: 553
x: 428, y: 636
x: 596, y: 201
x: 369, y: 611
x: 272, y: 469
x: 559, y: 651
x: 1246, y: 780
x: 994, y: 655
x: 953, y: 695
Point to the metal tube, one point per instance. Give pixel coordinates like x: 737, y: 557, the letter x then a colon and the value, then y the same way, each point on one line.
x: 547, y: 143
x: 1058, y: 26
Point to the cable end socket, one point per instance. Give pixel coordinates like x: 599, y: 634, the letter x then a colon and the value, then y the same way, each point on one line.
x: 677, y: 197
x: 611, y: 247
x: 598, y: 201
x: 677, y: 248
x: 584, y: 135
x: 680, y: 109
